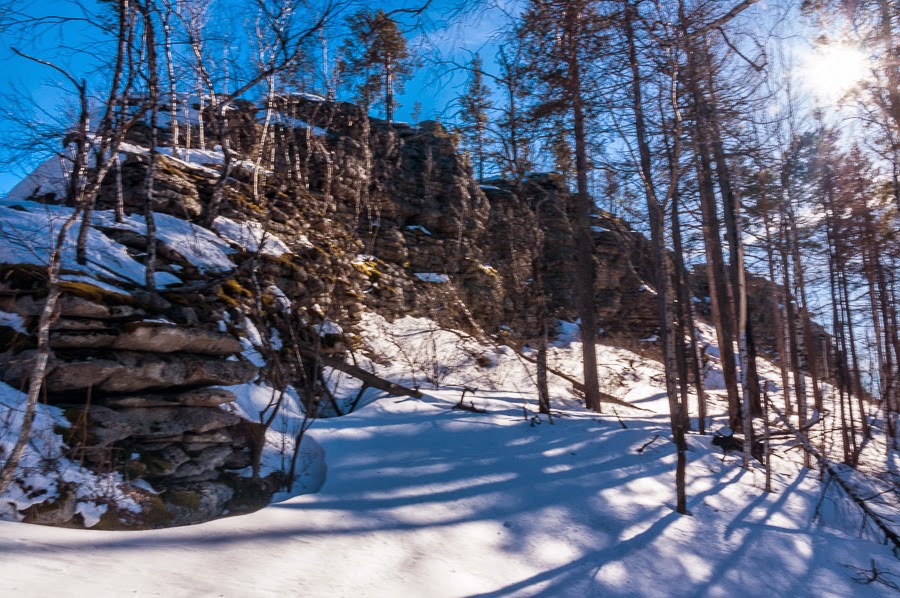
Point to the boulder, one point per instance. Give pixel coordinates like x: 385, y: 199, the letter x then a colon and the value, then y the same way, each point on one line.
x: 196, y: 502
x: 130, y: 371
x: 105, y: 425
x: 79, y: 324
x: 238, y: 460
x: 206, y: 461
x: 164, y: 423
x: 220, y: 436
x: 144, y: 336
x: 203, y: 397
x: 150, y: 337
x: 71, y: 306
x: 83, y: 339
x: 149, y: 430
x: 164, y: 463
x: 54, y: 512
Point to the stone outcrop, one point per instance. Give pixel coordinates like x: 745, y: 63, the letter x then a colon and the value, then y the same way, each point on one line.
x: 138, y: 392
x: 416, y: 208
x: 535, y: 222
x: 388, y: 217
x: 378, y: 217
x: 147, y: 336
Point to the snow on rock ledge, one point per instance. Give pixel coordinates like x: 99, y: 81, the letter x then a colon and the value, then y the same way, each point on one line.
x: 433, y: 277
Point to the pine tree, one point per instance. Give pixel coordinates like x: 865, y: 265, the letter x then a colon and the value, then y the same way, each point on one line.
x: 376, y: 59
x: 514, y: 130
x: 561, y: 40
x: 561, y: 149
x: 475, y: 104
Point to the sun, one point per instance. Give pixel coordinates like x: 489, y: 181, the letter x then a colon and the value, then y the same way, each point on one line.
x: 831, y: 71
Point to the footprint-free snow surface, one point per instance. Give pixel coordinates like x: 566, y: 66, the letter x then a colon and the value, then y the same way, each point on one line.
x: 422, y: 500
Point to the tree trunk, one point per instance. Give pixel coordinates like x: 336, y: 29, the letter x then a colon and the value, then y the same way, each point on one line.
x: 78, y: 198
x: 716, y: 279
x: 662, y: 261
x: 106, y: 123
x: 781, y: 336
x: 170, y: 70
x: 800, y: 295
x: 153, y: 89
x: 388, y: 91
x: 791, y: 311
x: 583, y: 210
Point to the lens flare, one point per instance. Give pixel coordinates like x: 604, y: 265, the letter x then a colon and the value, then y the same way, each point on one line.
x: 829, y: 72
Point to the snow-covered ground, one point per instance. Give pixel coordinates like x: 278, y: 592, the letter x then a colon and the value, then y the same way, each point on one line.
x: 418, y: 499
x: 421, y: 499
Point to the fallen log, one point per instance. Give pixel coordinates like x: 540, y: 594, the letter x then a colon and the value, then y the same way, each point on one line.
x: 578, y: 386
x: 889, y: 534
x: 367, y: 378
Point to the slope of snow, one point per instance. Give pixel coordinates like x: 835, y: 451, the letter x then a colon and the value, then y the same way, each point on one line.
x: 49, y: 177
x: 28, y: 231
x: 421, y: 499
x: 44, y: 469
x: 200, y: 246
x: 250, y: 235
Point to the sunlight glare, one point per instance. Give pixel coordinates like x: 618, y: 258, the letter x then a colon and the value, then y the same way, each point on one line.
x: 830, y: 71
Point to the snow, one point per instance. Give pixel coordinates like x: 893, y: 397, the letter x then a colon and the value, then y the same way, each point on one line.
x: 199, y: 246
x: 254, y: 402
x: 420, y: 499
x: 93, y: 281
x: 283, y: 301
x: 252, y: 341
x: 432, y: 277
x: 418, y: 227
x: 49, y: 177
x: 328, y: 327
x: 309, y: 96
x: 91, y: 512
x: 567, y: 332
x: 599, y: 229
x: 297, y: 123
x: 28, y: 231
x: 251, y: 236
x: 14, y: 321
x: 44, y: 468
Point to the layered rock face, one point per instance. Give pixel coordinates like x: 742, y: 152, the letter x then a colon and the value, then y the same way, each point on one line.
x: 409, y: 203
x: 533, y: 222
x: 399, y: 226
x: 138, y: 390
x: 388, y: 217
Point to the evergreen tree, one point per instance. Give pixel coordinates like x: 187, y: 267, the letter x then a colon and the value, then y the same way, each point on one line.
x: 561, y: 149
x: 514, y: 128
x: 475, y: 104
x: 376, y: 59
x: 562, y: 40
